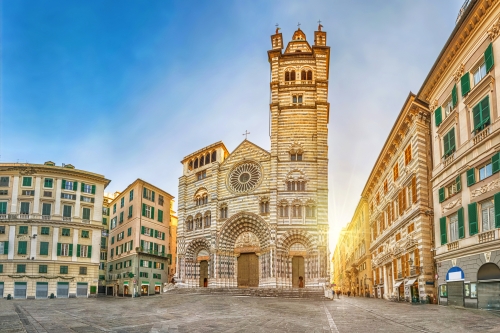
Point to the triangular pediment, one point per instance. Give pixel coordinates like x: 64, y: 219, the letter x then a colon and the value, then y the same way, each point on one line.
x: 247, y: 150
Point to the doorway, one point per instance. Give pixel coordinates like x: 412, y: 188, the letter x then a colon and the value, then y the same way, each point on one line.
x: 298, y: 272
x: 144, y: 290
x: 248, y: 270
x: 204, y: 273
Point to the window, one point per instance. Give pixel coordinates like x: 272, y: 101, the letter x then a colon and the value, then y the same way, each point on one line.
x: 86, y: 199
x: 4, y: 247
x: 121, y: 217
x: 148, y: 211
x: 160, y: 198
x: 83, y: 270
x: 2, y: 229
x: 4, y: 192
x: 223, y: 212
x: 25, y: 208
x: 198, y: 222
x: 479, y: 73
x: 296, y: 156
x: 28, y: 192
x: 122, y: 202
x: 130, y: 210
x: 47, y: 194
x: 84, y: 251
x: 264, y: 207
x: 453, y: 227
x: 85, y: 234
x: 160, y: 215
x: 112, y: 253
x: 297, y: 99
x: 64, y: 249
x: 448, y: 107
x: 143, y: 274
x: 395, y: 171
x: 411, y: 228
x: 148, y: 194
x: 22, y: 247
x: 201, y: 175
x: 310, y: 211
x: 86, y: 214
x: 4, y: 181
x: 296, y: 211
x: 208, y: 220
x: 63, y: 269
x: 46, y: 209
x: 129, y: 231
x: 21, y: 268
x: 120, y: 236
x: 114, y: 208
x: 214, y: 156
x: 408, y: 154
x: 488, y: 215
x: 385, y: 187
x: 44, y: 248
x: 105, y: 211
x: 398, y: 236
x: 443, y: 290
x: 68, y: 196
x: 481, y: 115
x: 473, y: 290
x: 284, y: 210
x: 69, y: 185
x: 112, y: 240
x: 67, y: 212
x: 66, y: 232
x: 27, y: 181
x: 113, y: 222
x: 45, y: 231
x: 42, y: 268
x: 23, y: 230
x: 449, y: 143
x: 485, y: 171
x: 131, y: 195
x: 104, y: 221
x: 86, y: 188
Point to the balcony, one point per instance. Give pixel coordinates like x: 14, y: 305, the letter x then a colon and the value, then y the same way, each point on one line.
x: 453, y: 246
x: 66, y: 218
x: 448, y: 160
x: 486, y: 236
x: 481, y: 135
x: 45, y: 217
x: 86, y: 221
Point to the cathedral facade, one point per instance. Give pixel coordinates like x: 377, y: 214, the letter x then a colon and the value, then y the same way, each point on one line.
x: 259, y: 218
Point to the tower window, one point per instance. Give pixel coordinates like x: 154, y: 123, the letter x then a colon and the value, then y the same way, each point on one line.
x: 296, y: 156
x: 309, y: 75
x: 264, y: 207
x: 287, y: 76
x: 292, y: 76
x: 202, y: 161
x: 196, y: 163
x: 303, y: 75
x: 297, y: 99
x: 214, y: 156
x: 284, y: 210
x: 207, y: 159
x: 223, y: 212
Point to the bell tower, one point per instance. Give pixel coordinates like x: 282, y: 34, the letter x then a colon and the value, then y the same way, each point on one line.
x: 299, y: 115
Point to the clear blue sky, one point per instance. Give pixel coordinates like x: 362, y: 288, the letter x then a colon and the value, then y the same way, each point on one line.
x: 128, y: 88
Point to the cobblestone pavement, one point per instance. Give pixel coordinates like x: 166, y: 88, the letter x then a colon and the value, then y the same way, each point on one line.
x: 216, y: 313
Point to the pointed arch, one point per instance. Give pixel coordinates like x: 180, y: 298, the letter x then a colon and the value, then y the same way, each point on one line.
x: 296, y: 236
x: 240, y: 223
x: 195, y: 246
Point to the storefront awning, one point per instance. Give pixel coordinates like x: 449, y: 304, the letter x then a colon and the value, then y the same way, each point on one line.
x: 157, y: 283
x: 397, y: 284
x: 125, y: 283
x: 410, y: 282
x: 144, y: 282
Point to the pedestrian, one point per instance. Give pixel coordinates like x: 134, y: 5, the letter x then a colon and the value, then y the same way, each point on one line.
x: 338, y: 294
x: 354, y: 294
x: 348, y: 293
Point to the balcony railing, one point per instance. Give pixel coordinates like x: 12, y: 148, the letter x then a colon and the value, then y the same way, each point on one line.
x: 3, y: 216
x: 448, y: 160
x: 487, y: 236
x: 45, y: 217
x: 453, y: 246
x: 66, y: 218
x: 85, y: 221
x: 481, y: 135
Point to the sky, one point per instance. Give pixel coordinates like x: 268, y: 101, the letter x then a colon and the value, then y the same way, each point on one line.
x: 128, y: 88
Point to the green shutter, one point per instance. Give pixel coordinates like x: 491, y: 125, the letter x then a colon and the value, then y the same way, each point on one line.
x: 78, y: 250
x: 495, y: 162
x: 454, y: 97
x: 438, y: 116
x: 471, y: 177
x: 163, y: 236
x: 142, y: 262
x: 160, y: 215
x: 156, y: 233
x: 22, y: 247
x: 75, y: 186
x: 93, y: 189
x: 89, y: 251
x: 162, y: 266
x: 465, y: 83
x: 152, y: 212
x: 144, y: 192
x: 442, y: 225
x: 58, y: 249
x: 44, y: 248
x: 472, y: 210
x: 63, y: 184
x: 82, y: 187
x: 461, y: 228
x: 150, y: 264
x: 143, y: 209
x: 153, y: 196
x: 441, y: 194
x: 70, y: 254
x: 458, y: 181
x: 143, y: 230
x: 3, y: 208
x: 142, y: 244
x: 488, y: 57
x: 497, y: 209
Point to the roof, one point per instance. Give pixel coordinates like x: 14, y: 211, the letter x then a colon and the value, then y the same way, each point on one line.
x: 218, y: 144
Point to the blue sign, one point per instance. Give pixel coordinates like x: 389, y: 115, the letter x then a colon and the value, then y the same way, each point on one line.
x: 455, y: 274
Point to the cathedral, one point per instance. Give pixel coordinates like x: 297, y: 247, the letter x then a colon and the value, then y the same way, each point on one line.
x: 255, y: 217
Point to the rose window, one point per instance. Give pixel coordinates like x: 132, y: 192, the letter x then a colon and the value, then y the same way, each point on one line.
x: 245, y: 177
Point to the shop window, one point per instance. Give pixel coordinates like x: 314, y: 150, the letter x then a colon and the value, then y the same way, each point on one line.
x: 443, y: 290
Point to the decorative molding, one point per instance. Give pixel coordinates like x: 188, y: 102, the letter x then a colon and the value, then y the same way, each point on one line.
x: 487, y: 256
x: 454, y: 262
x: 452, y: 204
x: 486, y: 188
x: 494, y: 31
x: 459, y: 73
x: 433, y: 105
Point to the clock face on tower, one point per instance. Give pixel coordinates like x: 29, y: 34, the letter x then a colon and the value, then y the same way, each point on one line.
x: 244, y: 177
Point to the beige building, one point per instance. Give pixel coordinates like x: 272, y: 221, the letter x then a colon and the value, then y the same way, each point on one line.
x: 461, y: 89
x: 400, y: 209
x: 354, y: 271
x: 101, y: 289
x: 138, y: 243
x: 258, y: 218
x: 50, y: 230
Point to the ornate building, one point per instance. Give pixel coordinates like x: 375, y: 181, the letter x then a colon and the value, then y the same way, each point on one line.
x: 258, y: 218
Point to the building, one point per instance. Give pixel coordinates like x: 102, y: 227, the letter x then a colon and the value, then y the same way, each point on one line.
x: 461, y: 90
x: 258, y: 218
x: 138, y: 243
x: 355, y: 273
x: 50, y: 230
x: 400, y: 209
x: 101, y: 289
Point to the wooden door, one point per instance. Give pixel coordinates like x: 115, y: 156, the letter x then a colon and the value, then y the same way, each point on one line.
x: 204, y: 273
x: 297, y: 272
x: 248, y: 270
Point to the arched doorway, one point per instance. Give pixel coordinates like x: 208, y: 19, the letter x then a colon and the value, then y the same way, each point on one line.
x: 298, y: 272
x: 248, y: 270
x: 488, y: 289
x: 204, y: 273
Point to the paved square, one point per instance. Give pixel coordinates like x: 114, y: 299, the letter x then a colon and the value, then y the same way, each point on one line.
x: 220, y: 313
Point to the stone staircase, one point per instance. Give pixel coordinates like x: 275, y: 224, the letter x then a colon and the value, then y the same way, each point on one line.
x: 310, y: 293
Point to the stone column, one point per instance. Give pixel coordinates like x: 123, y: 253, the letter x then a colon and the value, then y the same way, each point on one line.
x: 386, y: 284
x: 36, y: 201
x: 15, y: 193
x: 57, y: 209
